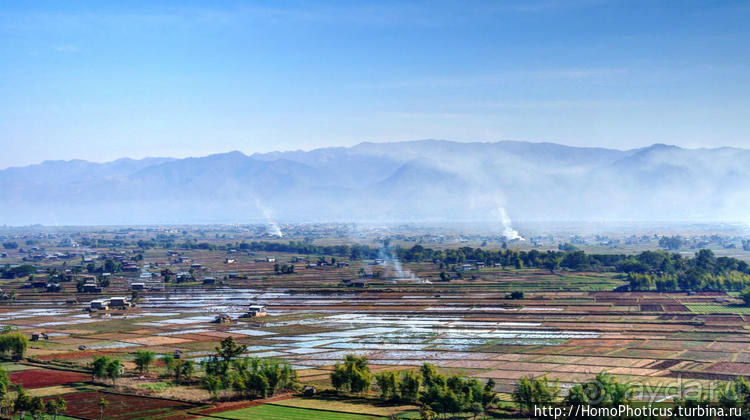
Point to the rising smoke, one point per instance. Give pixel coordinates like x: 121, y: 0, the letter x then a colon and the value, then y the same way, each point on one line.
x: 393, y: 266
x: 272, y: 228
x: 508, y: 232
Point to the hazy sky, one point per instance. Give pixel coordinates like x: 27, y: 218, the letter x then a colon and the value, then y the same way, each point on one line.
x: 100, y: 80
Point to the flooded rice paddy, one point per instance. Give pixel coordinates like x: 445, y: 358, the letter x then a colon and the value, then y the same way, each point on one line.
x: 482, y: 332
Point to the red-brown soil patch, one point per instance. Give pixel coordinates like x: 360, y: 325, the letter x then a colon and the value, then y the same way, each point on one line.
x: 39, y: 378
x: 730, y: 367
x: 86, y: 405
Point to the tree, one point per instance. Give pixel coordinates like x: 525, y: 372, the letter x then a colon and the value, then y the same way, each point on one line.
x: 21, y: 403
x: 23, y: 270
x: 745, y: 295
x: 111, y: 266
x: 102, y: 405
x: 552, y: 264
x: 408, y: 386
x: 529, y: 392
x: 183, y: 370
x: 454, y: 394
x: 476, y: 409
x: 603, y: 391
x: 4, y: 383
x: 229, y: 349
x: 14, y: 342
x: 143, y: 360
x: 99, y: 366
x: 114, y: 370
x: 671, y: 243
x: 353, y: 375
x: 515, y: 295
x: 36, y: 406
x: 257, y: 384
x: 24, y: 402
x: 388, y: 382
x: 56, y: 407
x: 169, y: 364
x: 253, y: 377
x: 213, y: 385
x: 430, y: 375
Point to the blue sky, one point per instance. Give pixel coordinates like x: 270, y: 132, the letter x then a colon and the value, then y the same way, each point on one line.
x: 100, y: 80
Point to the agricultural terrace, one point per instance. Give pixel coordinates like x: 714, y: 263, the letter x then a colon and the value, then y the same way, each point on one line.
x: 654, y: 319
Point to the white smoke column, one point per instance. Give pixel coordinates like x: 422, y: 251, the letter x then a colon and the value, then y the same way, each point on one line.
x: 508, y: 231
x: 491, y: 204
x: 272, y: 228
x: 391, y: 260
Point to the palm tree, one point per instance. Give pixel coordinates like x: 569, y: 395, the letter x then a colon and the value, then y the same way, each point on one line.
x: 55, y: 407
x: 143, y: 360
x: 102, y: 404
x: 114, y: 370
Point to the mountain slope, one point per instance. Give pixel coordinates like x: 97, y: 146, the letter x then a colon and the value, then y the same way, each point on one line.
x: 401, y: 181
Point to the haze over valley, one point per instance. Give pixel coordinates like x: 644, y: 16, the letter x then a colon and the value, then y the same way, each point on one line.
x: 426, y: 180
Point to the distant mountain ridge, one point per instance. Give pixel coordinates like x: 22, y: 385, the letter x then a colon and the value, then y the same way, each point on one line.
x: 423, y: 180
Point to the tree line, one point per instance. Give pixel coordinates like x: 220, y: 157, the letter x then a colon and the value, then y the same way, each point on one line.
x: 434, y: 393
x: 227, y: 371
x: 605, y: 391
x: 24, y: 404
x: 664, y: 271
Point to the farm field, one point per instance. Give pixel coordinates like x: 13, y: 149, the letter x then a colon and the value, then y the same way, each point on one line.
x: 85, y: 405
x: 277, y: 412
x: 353, y: 406
x: 568, y: 325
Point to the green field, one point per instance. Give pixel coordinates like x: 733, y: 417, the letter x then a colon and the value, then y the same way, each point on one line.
x: 277, y: 412
x: 715, y: 308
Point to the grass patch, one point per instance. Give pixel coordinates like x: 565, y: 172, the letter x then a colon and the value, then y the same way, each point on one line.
x: 346, y: 405
x: 278, y: 412
x: 156, y: 386
x: 702, y: 308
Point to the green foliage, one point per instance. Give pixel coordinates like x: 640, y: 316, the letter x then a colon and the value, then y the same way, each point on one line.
x: 529, y: 392
x: 283, y: 268
x: 111, y: 266
x: 106, y: 367
x: 99, y: 366
x: 671, y: 243
x: 388, y: 383
x: 26, y: 403
x: 143, y: 360
x: 18, y: 271
x: 515, y: 295
x: 745, y: 295
x: 13, y: 342
x: 435, y: 394
x: 55, y: 407
x: 4, y: 383
x: 102, y: 405
x: 454, y: 394
x: 183, y: 370
x: 229, y: 350
x: 114, y: 369
x: 250, y: 377
x: 353, y: 375
x: 169, y: 363
x: 408, y: 386
x: 213, y: 385
x: 603, y: 391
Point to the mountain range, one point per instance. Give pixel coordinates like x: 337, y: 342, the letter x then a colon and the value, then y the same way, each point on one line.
x: 424, y: 180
